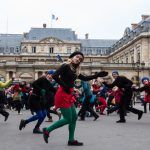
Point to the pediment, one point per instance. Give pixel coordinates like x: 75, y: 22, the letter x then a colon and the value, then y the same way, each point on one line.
x: 51, y: 40
x: 26, y: 75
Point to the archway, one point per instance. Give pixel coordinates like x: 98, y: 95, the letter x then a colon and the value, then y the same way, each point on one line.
x: 26, y: 77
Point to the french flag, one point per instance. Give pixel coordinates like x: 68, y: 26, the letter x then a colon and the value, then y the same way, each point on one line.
x: 54, y: 17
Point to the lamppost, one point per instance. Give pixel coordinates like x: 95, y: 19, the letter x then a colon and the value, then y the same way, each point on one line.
x: 138, y: 67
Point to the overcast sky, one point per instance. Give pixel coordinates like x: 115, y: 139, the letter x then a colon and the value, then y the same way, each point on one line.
x: 102, y: 19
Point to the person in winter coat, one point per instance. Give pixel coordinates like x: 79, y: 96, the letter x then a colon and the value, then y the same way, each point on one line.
x: 146, y: 89
x: 38, y: 102
x: 2, y: 97
x: 65, y: 76
x: 86, y: 104
x: 125, y: 85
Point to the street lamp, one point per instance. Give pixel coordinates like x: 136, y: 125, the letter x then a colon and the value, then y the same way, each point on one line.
x: 138, y: 67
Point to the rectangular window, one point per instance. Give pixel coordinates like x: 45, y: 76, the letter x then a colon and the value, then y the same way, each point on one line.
x: 97, y: 51
x: 33, y: 49
x: 126, y: 59
x: 11, y: 49
x: 7, y: 49
x: 1, y: 49
x: 138, y: 57
x: 69, y: 50
x: 51, y: 50
x: 88, y: 51
x: 132, y: 59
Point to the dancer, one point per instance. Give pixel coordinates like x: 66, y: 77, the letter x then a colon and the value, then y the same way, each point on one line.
x: 64, y: 99
x: 2, y: 98
x: 38, y: 101
x: 50, y: 99
x: 146, y: 89
x: 117, y: 95
x: 86, y: 105
x: 125, y: 85
x: 17, y: 100
x: 101, y: 96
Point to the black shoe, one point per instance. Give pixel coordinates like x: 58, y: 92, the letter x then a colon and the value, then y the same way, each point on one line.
x: 6, y: 117
x: 140, y: 115
x: 22, y: 124
x: 121, y: 121
x: 32, y: 112
x: 108, y: 112
x: 37, y: 131
x: 49, y: 120
x: 45, y: 135
x: 75, y: 143
x: 96, y: 118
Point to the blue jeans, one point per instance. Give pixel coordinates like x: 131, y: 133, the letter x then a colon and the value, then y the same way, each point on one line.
x: 40, y: 116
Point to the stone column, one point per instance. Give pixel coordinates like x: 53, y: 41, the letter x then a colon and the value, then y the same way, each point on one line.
x: 7, y: 75
x: 43, y: 73
x: 14, y: 74
x: 145, y: 53
x: 36, y: 75
x: 135, y: 54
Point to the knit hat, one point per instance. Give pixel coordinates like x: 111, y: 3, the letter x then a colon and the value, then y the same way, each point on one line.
x: 76, y: 53
x: 145, y: 78
x: 115, y: 72
x: 51, y: 72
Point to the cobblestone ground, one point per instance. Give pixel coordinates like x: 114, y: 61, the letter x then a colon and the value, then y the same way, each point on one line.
x: 103, y: 134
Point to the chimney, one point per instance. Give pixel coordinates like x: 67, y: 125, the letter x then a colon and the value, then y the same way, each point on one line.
x: 25, y: 35
x: 144, y: 17
x: 134, y: 25
x: 86, y: 36
x: 44, y: 25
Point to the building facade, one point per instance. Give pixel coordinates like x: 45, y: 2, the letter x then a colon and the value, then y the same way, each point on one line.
x: 28, y: 56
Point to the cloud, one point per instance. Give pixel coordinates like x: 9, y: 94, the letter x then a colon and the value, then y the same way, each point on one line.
x: 100, y: 18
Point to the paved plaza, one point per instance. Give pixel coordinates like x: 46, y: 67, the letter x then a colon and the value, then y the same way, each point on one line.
x: 103, y: 134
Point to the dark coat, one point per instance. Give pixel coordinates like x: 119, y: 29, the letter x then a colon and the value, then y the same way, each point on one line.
x: 36, y: 100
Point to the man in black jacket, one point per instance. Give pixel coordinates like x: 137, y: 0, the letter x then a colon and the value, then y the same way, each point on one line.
x: 42, y: 91
x: 125, y: 85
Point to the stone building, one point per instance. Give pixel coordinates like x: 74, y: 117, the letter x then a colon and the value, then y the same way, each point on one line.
x: 29, y: 55
x: 40, y: 50
x: 132, y: 51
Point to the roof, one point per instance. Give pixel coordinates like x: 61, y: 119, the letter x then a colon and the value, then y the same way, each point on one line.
x: 130, y: 34
x: 97, y: 42
x: 61, y: 33
x: 10, y: 39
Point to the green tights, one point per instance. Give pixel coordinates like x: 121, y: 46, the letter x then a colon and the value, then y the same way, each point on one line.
x: 69, y: 117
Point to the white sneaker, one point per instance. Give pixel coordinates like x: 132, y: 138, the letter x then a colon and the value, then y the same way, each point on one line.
x: 20, y: 113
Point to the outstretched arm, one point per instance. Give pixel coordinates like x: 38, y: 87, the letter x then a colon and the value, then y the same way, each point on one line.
x: 6, y: 84
x: 87, y: 78
x: 140, y: 89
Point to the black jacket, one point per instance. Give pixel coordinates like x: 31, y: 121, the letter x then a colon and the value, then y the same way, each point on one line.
x: 122, y: 83
x: 43, y: 83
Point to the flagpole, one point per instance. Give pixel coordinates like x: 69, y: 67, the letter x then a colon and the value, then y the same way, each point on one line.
x: 51, y: 21
x: 7, y: 26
